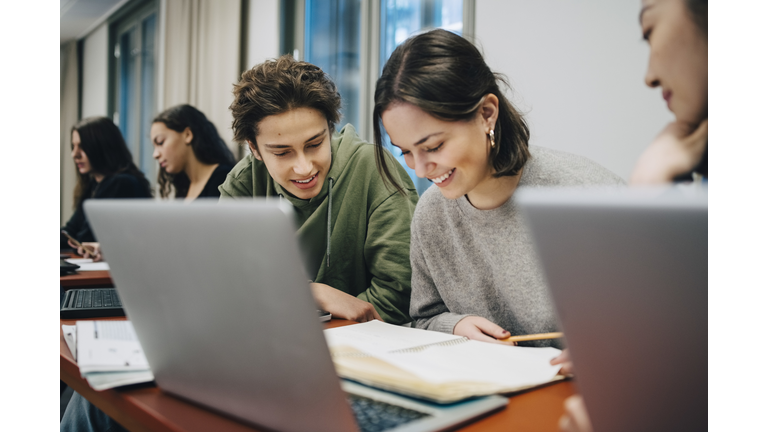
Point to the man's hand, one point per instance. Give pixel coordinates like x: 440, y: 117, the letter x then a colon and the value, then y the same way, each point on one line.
x: 576, y: 418
x: 343, y: 305
x: 676, y: 150
x: 479, y: 328
x: 565, y: 360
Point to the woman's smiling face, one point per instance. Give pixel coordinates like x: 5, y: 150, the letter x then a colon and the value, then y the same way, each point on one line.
x: 452, y: 154
x: 295, y: 146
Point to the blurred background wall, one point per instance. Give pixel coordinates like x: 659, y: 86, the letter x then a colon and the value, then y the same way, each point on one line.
x: 576, y: 68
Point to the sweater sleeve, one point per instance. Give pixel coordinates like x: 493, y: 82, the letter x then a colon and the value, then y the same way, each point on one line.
x: 428, y: 309
x: 116, y: 186
x: 386, y: 254
x: 76, y: 226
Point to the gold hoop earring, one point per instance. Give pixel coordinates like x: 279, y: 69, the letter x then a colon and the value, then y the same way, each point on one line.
x: 492, y: 136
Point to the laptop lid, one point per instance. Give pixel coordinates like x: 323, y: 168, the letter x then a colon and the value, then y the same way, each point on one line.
x: 218, y: 297
x: 627, y: 270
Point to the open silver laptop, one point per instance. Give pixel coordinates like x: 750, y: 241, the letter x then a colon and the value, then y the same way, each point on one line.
x: 220, y: 301
x: 628, y: 272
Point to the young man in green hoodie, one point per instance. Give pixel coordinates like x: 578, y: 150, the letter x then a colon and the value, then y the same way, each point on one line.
x: 286, y: 111
x: 354, y: 230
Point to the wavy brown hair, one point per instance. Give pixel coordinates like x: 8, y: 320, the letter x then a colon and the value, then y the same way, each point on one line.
x: 207, y: 145
x: 277, y: 86
x: 107, y: 153
x: 446, y: 76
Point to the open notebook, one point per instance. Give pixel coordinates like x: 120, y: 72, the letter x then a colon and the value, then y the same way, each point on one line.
x: 435, y: 366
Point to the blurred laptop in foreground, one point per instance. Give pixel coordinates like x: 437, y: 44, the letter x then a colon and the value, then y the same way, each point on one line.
x: 219, y: 299
x: 627, y: 270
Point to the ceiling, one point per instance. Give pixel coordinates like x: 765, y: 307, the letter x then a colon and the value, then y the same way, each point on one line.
x: 79, y: 17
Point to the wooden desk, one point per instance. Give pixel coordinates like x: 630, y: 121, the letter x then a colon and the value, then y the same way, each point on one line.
x: 87, y: 279
x: 149, y: 409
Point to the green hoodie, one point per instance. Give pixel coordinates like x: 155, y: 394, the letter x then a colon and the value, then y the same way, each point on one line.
x: 370, y: 223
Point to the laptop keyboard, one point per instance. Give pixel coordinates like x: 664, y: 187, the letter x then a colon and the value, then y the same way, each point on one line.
x: 376, y: 416
x: 91, y: 303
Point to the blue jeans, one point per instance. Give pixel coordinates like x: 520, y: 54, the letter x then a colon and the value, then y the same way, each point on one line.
x: 83, y: 416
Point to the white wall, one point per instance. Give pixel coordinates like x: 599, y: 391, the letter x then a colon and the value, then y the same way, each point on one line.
x: 67, y: 117
x: 576, y: 69
x: 95, y: 72
x: 263, y: 37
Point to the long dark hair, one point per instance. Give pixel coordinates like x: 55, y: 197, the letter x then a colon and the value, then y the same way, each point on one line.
x: 207, y: 145
x: 276, y: 86
x: 107, y: 153
x: 699, y: 12
x: 446, y: 76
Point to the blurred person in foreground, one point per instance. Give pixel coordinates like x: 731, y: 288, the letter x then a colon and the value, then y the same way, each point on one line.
x: 676, y: 31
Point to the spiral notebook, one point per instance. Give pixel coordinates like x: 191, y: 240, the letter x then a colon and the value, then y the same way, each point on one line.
x: 439, y: 367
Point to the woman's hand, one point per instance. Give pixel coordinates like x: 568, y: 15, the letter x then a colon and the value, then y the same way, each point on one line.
x: 479, y: 328
x: 676, y: 150
x: 86, y: 253
x: 565, y: 360
x: 343, y: 305
x: 575, y: 418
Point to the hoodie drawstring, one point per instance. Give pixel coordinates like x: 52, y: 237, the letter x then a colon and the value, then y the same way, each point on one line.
x: 328, y: 234
x: 328, y: 237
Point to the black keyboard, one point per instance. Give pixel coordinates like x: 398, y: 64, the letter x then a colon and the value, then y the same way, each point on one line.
x: 91, y: 303
x: 376, y: 416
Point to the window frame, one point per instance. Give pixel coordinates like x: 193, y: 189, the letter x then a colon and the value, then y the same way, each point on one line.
x: 127, y: 17
x: 292, y: 17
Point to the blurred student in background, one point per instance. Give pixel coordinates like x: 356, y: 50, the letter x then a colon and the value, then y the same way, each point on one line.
x: 475, y: 271
x: 193, y: 158
x: 105, y: 170
x: 353, y: 229
x: 676, y: 31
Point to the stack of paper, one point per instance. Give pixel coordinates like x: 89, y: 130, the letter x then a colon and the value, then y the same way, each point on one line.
x: 108, y: 353
x: 436, y: 366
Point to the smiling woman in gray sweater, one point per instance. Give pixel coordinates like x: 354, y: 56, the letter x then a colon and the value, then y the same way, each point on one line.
x: 474, y: 270
x: 466, y: 261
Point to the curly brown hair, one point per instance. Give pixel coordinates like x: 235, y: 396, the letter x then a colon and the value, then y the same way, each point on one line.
x: 277, y: 86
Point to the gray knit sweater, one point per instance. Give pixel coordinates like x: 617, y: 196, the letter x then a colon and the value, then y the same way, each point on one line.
x: 467, y: 261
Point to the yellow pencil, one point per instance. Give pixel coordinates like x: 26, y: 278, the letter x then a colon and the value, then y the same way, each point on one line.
x: 530, y: 337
